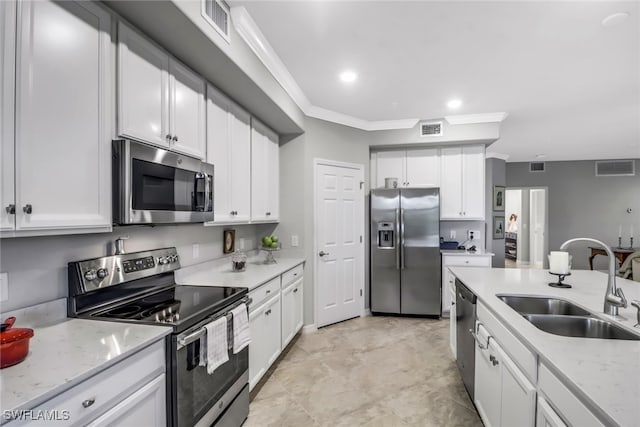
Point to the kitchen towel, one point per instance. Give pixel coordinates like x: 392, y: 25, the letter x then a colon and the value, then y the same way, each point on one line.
x: 241, y: 334
x: 214, y: 345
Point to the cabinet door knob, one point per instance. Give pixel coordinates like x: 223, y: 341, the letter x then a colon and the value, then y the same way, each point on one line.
x: 295, y: 290
x: 168, y: 136
x: 88, y: 402
x: 323, y: 253
x: 175, y: 138
x: 268, y: 213
x: 27, y: 209
x: 268, y: 291
x: 11, y: 209
x: 268, y: 312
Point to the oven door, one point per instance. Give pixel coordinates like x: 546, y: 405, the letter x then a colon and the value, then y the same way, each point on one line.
x: 198, y: 394
x: 160, y: 186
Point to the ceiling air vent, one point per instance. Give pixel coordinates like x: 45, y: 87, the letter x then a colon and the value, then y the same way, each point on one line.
x: 431, y: 129
x: 216, y: 12
x: 536, y: 167
x: 615, y: 168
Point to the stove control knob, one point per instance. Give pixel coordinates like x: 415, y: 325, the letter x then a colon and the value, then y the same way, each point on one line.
x: 102, y: 273
x: 163, y: 260
x: 173, y: 258
x: 90, y: 275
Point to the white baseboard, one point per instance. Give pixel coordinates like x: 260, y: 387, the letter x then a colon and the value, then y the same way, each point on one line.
x: 309, y: 329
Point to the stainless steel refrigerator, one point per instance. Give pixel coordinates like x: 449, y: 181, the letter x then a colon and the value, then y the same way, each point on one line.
x: 405, y: 251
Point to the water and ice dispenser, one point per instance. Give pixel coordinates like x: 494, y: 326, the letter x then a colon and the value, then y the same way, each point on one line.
x: 385, y: 235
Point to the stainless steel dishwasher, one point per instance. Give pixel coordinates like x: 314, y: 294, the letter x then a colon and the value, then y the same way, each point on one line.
x: 465, y: 324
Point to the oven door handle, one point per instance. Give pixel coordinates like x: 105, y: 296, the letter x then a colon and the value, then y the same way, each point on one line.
x: 186, y: 340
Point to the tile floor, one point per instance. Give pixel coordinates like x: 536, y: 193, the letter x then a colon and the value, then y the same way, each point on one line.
x: 371, y: 371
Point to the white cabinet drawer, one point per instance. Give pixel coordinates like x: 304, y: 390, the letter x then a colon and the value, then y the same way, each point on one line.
x: 291, y: 275
x: 467, y: 261
x: 262, y: 292
x: 91, y: 398
x: 525, y: 359
x: 564, y: 401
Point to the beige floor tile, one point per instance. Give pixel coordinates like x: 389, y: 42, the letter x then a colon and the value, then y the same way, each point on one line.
x: 371, y: 371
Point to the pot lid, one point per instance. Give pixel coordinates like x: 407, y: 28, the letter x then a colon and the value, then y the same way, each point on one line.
x: 9, y: 334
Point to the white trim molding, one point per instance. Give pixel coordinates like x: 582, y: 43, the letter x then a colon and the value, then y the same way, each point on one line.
x: 466, y: 119
x: 492, y: 155
x: 251, y: 34
x: 309, y: 329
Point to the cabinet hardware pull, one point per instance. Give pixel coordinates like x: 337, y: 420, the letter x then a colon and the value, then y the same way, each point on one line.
x: 323, y: 253
x: 268, y: 291
x: 268, y: 312
x: 268, y: 213
x: 88, y: 402
x: 168, y: 136
x: 175, y: 138
x: 493, y: 360
x: 27, y: 209
x: 11, y: 209
x: 295, y: 290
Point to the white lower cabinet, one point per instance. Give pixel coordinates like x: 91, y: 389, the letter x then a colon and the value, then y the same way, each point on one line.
x: 452, y: 320
x: 449, y: 280
x: 275, y: 317
x: 132, y: 392
x: 264, y: 349
x: 291, y: 311
x: 546, y: 416
x: 503, y: 395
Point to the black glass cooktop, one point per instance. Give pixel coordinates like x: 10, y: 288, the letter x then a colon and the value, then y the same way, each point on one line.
x: 179, y: 305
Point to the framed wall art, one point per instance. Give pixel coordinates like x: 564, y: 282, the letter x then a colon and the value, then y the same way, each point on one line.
x: 229, y: 241
x: 498, y: 227
x: 498, y: 198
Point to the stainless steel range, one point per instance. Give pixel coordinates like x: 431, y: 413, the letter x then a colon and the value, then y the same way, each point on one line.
x: 140, y: 288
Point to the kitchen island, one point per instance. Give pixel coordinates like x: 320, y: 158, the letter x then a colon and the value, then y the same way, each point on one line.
x: 602, y: 374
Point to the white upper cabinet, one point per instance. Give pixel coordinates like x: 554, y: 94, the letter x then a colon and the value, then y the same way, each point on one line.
x: 160, y: 101
x: 188, y: 114
x: 7, y: 92
x: 422, y: 168
x: 63, y: 116
x: 462, y: 182
x: 265, y: 172
x: 229, y: 150
x: 143, y: 88
x: 412, y: 168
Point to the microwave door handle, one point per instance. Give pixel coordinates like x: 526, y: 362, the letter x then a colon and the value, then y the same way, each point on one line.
x: 196, y: 187
x: 207, y: 190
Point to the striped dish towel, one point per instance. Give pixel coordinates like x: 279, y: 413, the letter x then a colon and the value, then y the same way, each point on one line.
x: 214, y: 346
x: 241, y: 333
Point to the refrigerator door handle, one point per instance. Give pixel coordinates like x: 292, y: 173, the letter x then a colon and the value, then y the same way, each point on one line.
x: 402, y: 238
x: 397, y: 239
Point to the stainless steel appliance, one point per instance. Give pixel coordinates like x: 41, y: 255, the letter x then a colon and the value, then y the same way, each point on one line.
x: 140, y: 288
x: 465, y: 335
x: 405, y: 251
x: 153, y: 186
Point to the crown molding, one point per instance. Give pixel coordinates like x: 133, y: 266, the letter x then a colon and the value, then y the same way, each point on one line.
x: 257, y: 42
x: 466, y: 119
x: 492, y: 155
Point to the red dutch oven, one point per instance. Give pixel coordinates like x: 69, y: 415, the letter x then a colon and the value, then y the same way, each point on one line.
x: 14, y: 343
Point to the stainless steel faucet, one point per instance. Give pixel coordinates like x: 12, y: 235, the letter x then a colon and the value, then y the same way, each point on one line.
x: 614, y: 297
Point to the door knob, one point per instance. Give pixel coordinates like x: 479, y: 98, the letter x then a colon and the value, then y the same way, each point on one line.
x: 11, y: 209
x: 27, y: 209
x: 323, y: 253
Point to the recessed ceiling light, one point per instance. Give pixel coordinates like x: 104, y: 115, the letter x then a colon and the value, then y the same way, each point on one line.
x: 348, y: 76
x: 454, y: 103
x: 614, y: 19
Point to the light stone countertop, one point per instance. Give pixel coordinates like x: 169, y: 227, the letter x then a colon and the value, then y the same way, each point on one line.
x: 460, y: 252
x: 603, y: 374
x: 68, y: 352
x: 215, y: 273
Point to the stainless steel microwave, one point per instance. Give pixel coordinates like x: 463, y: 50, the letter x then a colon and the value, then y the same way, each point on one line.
x: 156, y: 186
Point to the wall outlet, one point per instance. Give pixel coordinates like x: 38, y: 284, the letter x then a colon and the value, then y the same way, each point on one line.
x: 294, y: 241
x: 196, y: 250
x: 452, y: 234
x: 4, y: 286
x: 473, y: 234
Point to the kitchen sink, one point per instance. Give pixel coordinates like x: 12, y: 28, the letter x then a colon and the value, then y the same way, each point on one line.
x: 542, y: 305
x: 580, y: 326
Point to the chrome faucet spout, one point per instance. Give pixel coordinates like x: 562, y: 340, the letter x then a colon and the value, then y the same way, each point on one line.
x: 614, y: 297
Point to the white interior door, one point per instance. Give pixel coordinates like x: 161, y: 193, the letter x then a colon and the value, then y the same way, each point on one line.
x: 339, y: 260
x: 536, y: 228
